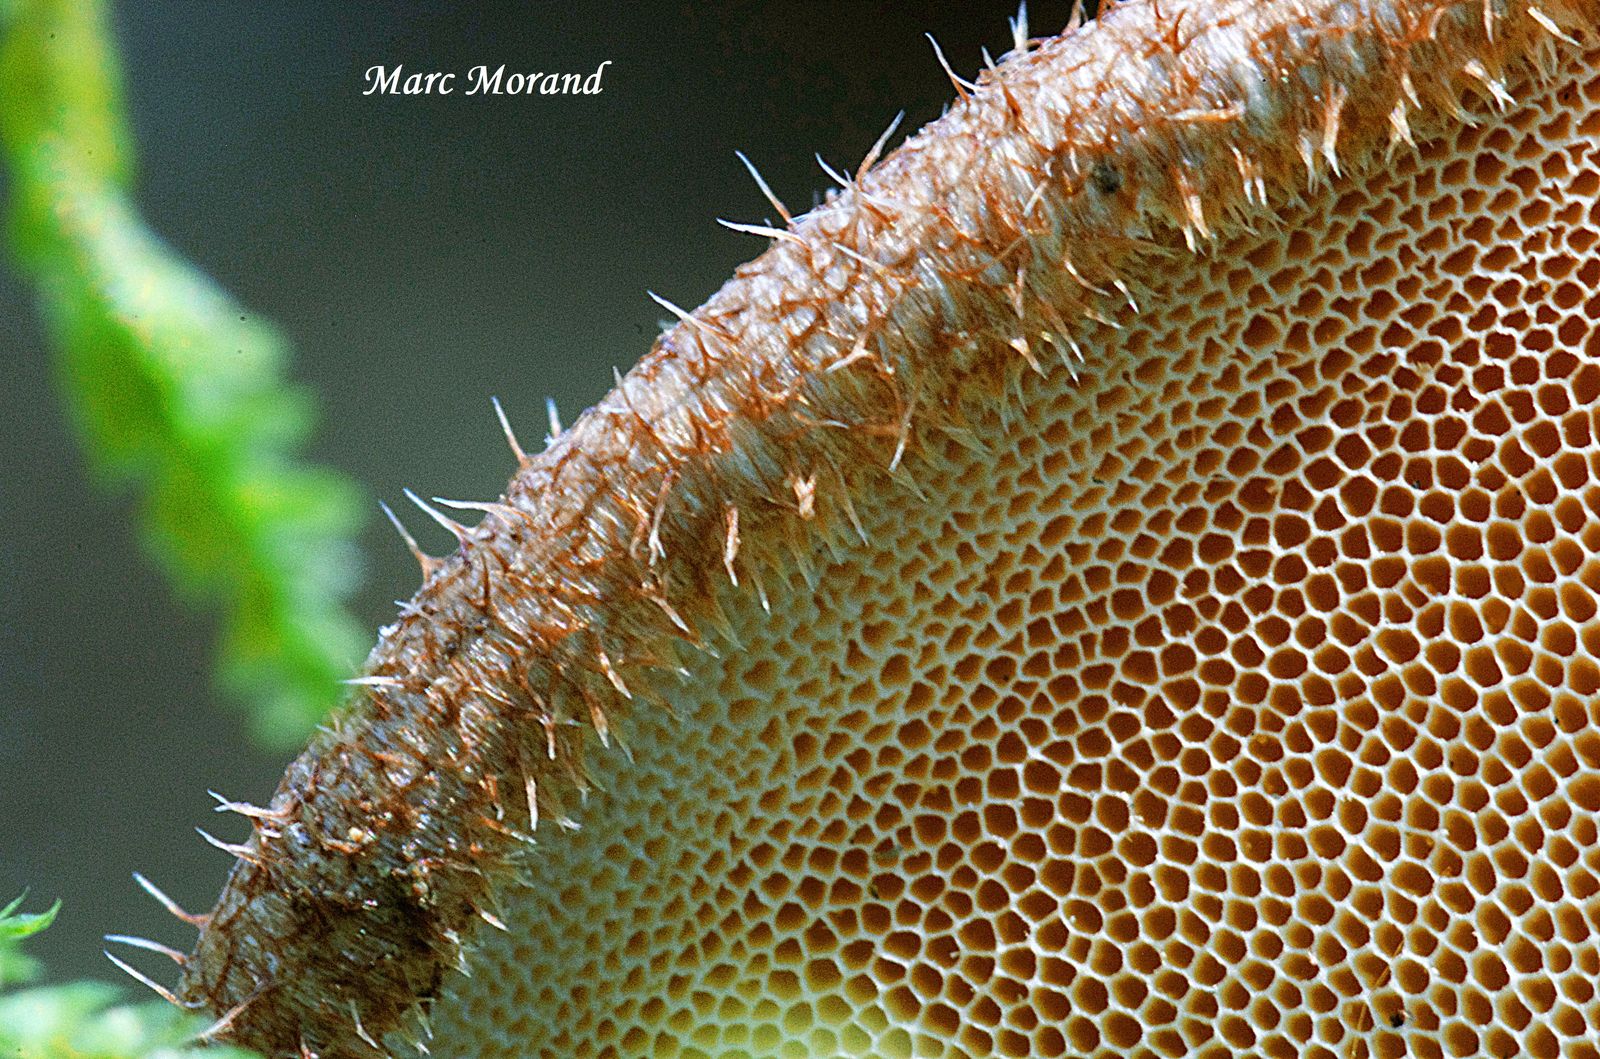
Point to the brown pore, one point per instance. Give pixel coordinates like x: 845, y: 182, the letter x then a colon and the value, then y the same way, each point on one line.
x: 1116, y: 578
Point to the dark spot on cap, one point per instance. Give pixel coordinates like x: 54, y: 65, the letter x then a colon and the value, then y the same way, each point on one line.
x: 1105, y: 178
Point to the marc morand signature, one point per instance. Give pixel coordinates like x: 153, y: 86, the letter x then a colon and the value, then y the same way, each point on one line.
x: 481, y: 81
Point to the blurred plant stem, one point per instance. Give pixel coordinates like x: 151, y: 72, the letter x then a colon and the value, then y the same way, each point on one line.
x: 173, y: 386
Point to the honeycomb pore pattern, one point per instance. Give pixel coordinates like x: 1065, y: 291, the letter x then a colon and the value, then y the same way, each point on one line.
x: 1236, y: 698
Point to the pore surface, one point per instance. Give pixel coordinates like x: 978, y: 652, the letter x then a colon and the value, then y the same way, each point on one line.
x: 1236, y: 697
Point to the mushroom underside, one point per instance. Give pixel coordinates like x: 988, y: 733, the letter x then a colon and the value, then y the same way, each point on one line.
x: 1186, y: 648
x: 1237, y: 694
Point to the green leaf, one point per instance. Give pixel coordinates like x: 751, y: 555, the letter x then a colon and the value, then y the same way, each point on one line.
x: 83, y: 1020
x: 14, y: 925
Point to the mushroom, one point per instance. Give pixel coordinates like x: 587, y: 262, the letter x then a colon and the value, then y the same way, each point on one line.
x: 1117, y: 577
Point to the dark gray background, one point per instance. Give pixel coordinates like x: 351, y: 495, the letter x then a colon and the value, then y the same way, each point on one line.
x: 421, y: 254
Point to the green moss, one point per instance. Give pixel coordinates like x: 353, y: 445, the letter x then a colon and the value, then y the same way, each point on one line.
x: 173, y: 387
x: 83, y: 1020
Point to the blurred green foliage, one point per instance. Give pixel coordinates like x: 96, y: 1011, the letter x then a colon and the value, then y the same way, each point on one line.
x: 172, y: 386
x: 14, y: 926
x: 82, y: 1020
x: 176, y: 390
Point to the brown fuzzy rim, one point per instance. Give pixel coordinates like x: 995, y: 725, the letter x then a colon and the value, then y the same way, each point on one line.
x: 735, y: 446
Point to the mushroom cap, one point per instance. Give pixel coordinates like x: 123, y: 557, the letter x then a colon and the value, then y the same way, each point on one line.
x: 1117, y: 579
